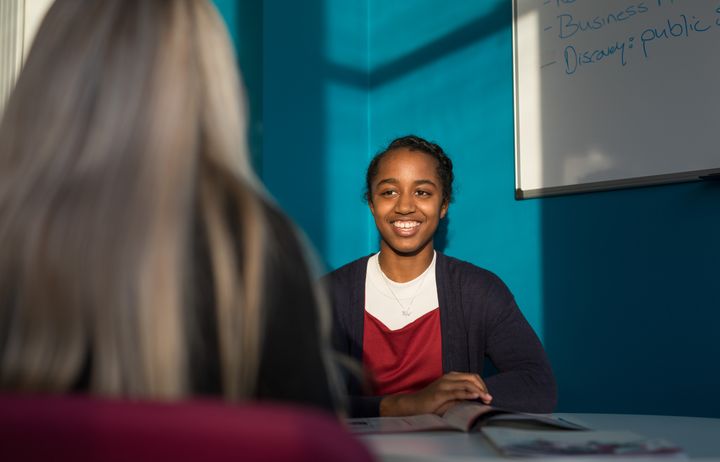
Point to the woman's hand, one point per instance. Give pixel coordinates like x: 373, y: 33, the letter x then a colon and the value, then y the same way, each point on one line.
x: 437, y: 397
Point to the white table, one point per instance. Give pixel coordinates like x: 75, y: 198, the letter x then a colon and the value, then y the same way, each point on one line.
x: 699, y: 437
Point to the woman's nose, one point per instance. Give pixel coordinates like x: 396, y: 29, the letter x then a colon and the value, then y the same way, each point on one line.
x: 405, y: 204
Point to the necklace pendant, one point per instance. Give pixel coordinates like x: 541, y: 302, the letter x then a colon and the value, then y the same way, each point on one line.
x: 406, y: 312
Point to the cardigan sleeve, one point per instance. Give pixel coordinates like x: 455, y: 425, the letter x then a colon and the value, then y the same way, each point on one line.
x: 524, y: 380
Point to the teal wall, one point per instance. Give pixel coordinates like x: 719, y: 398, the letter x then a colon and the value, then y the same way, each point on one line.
x: 620, y: 285
x: 316, y: 119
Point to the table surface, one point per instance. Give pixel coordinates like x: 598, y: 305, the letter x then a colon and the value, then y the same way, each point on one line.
x: 698, y: 436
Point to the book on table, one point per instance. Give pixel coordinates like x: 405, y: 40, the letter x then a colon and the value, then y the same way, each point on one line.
x: 461, y: 417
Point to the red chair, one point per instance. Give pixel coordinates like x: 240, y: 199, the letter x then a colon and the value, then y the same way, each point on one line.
x: 79, y: 429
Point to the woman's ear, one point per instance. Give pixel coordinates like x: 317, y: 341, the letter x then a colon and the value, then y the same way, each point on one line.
x: 444, y: 209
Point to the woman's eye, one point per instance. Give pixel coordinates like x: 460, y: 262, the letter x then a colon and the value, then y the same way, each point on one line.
x: 422, y: 193
x: 388, y: 193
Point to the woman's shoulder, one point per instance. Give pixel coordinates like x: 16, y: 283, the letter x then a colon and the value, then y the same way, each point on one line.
x: 467, y: 273
x: 476, y: 284
x: 456, y: 265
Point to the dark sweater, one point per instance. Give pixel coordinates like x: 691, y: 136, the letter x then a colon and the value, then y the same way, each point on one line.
x: 292, y: 366
x: 479, y: 319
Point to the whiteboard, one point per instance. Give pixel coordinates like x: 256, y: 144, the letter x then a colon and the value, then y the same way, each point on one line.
x: 613, y: 94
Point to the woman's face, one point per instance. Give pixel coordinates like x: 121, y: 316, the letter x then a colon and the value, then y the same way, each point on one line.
x: 406, y: 201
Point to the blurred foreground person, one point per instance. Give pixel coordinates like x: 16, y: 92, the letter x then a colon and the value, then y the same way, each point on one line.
x: 139, y: 256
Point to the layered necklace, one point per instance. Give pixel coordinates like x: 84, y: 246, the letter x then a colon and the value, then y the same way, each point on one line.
x: 406, y: 310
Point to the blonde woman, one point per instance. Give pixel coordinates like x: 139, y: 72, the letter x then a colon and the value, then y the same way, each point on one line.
x: 139, y: 257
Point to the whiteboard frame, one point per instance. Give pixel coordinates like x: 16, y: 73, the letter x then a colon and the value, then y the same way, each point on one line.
x: 624, y: 183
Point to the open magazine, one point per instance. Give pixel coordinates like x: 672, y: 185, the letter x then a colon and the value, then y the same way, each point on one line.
x: 462, y: 417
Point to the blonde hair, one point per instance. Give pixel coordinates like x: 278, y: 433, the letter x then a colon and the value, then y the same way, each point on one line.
x: 125, y: 130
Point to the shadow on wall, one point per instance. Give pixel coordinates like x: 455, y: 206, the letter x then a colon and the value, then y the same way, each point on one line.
x: 441, y: 235
x: 631, y: 303
x: 472, y: 32
x: 294, y: 118
x: 630, y: 295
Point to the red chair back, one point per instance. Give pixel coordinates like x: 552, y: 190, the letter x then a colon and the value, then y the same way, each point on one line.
x: 82, y: 429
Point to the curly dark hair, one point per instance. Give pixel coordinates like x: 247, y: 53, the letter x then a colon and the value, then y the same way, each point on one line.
x: 415, y: 143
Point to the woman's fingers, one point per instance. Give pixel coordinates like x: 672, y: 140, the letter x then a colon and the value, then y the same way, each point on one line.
x: 471, y: 382
x: 466, y: 376
x: 439, y: 396
x: 459, y: 393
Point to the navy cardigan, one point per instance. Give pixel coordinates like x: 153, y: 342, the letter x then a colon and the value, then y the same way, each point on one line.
x: 479, y: 319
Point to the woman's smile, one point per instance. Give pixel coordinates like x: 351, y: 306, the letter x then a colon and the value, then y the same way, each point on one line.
x: 406, y: 228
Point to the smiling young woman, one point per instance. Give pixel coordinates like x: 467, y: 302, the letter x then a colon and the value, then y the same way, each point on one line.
x: 423, y: 323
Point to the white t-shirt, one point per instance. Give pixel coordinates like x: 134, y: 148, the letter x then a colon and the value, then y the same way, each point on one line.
x: 397, y: 304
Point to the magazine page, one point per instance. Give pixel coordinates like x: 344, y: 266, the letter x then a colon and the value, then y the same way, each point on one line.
x: 415, y: 423
x: 531, y: 421
x: 467, y: 414
x: 553, y: 443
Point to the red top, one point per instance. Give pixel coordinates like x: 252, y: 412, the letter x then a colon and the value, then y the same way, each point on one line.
x: 403, y: 360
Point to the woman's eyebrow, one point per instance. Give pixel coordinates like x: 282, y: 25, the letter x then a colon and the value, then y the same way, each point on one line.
x: 387, y: 181
x: 394, y: 181
x: 425, y: 181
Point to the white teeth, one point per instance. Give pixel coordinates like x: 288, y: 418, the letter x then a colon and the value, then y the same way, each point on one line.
x: 406, y: 224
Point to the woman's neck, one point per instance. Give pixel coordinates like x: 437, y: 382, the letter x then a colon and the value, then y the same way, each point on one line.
x: 404, y: 267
